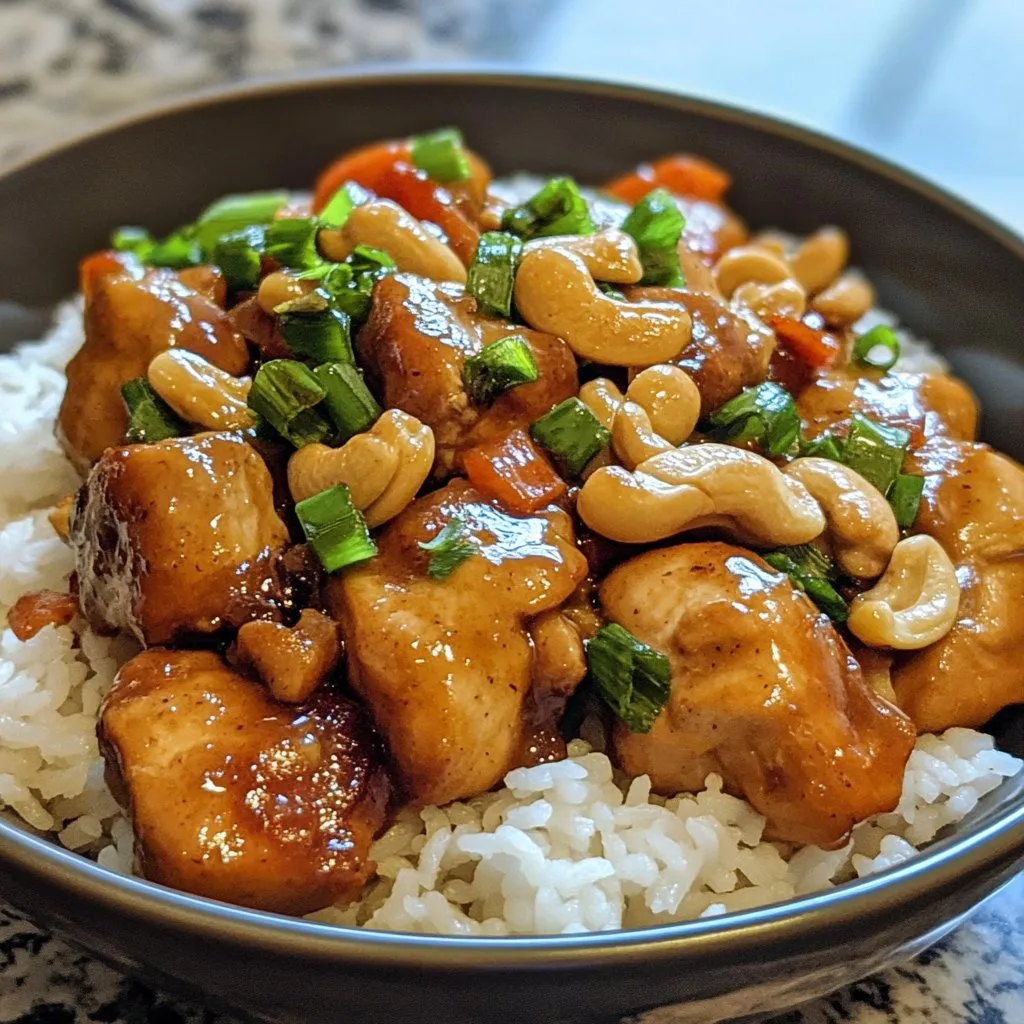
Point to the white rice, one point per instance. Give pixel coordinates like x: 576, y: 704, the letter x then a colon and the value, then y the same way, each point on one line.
x: 566, y: 847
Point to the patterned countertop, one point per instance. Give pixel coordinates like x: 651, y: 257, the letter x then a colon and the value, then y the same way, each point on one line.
x: 65, y: 63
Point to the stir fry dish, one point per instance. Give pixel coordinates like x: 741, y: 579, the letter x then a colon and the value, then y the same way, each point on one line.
x: 412, y: 481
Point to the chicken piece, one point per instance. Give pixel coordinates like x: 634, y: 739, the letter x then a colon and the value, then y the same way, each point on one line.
x: 131, y: 314
x: 414, y: 344
x: 926, y: 404
x: 292, y: 661
x: 236, y: 797
x: 764, y: 692
x: 729, y: 349
x: 973, y: 505
x: 446, y: 666
x: 177, y: 538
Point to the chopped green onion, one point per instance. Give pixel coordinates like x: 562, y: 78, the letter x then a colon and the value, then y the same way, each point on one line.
x: 557, y: 209
x: 341, y: 204
x: 238, y: 255
x: 877, y: 349
x: 611, y: 291
x: 449, y: 549
x: 150, y: 419
x: 315, y: 331
x: 503, y: 364
x: 291, y: 241
x: 440, y: 154
x: 812, y: 571
x: 365, y: 259
x: 492, y: 272
x: 284, y: 392
x: 347, y: 399
x: 905, y: 498
x: 824, y: 446
x: 349, y: 285
x: 232, y: 213
x: 573, y: 435
x: 765, y: 414
x: 176, y: 251
x: 874, y: 451
x: 130, y: 238
x: 656, y: 224
x: 633, y: 678
x: 335, y: 528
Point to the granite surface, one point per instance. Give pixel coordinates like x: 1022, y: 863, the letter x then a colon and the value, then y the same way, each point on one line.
x: 66, y: 63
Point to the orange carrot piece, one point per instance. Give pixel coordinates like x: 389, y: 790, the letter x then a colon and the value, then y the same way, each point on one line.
x: 513, y: 471
x: 365, y: 166
x: 681, y: 173
x: 33, y: 612
x: 815, y: 348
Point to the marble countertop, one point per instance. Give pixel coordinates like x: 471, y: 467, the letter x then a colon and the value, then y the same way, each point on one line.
x: 66, y: 63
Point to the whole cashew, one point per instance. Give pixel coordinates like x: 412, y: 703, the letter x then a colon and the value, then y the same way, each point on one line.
x: 554, y: 292
x: 915, y: 602
x: 819, y: 259
x: 382, y: 468
x: 700, y: 485
x: 845, y: 300
x: 633, y: 437
x: 200, y: 392
x: 610, y: 255
x: 383, y: 224
x: 861, y: 522
x: 603, y: 399
x: 279, y: 287
x: 748, y: 263
x: 786, y: 298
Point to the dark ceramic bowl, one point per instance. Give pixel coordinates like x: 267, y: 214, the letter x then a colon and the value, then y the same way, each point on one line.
x: 952, y: 275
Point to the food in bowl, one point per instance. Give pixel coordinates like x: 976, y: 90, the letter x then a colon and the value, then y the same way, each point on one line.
x: 441, y: 554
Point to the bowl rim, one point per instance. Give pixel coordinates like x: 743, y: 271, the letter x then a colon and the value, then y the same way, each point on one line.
x: 997, y: 840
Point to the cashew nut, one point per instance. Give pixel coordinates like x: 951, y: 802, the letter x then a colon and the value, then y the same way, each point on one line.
x: 603, y: 399
x: 554, y: 292
x: 819, y: 259
x: 610, y: 255
x: 382, y: 468
x: 700, y: 485
x: 280, y: 287
x: 845, y: 300
x: 861, y: 522
x: 383, y: 224
x: 786, y: 298
x: 748, y: 263
x: 200, y: 392
x: 633, y: 437
x: 671, y: 399
x: 914, y: 604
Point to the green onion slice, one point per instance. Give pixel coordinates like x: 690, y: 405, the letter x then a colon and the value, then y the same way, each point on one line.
x: 341, y: 204
x: 150, y: 418
x: 905, y: 498
x: 874, y: 451
x: 557, y: 209
x: 440, y: 154
x: 232, y: 213
x: 656, y: 224
x: 291, y: 241
x: 315, y: 331
x: 765, y: 414
x: 633, y: 678
x: 133, y: 239
x: 493, y: 270
x: 176, y: 251
x: 238, y: 254
x: 824, y: 446
x: 335, y: 528
x: 284, y: 392
x: 503, y: 364
x: 573, y: 435
x: 347, y: 400
x: 877, y: 349
x: 812, y: 571
x: 449, y: 549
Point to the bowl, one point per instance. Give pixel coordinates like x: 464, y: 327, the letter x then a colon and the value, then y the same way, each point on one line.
x: 952, y: 275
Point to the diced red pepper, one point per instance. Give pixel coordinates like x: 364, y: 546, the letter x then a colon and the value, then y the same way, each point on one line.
x: 681, y: 173
x: 810, y: 346
x: 365, y: 166
x: 513, y: 471
x: 33, y: 612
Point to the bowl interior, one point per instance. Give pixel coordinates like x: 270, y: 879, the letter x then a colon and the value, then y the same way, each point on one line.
x: 951, y: 275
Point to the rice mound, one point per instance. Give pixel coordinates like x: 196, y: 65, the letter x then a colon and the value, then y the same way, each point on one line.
x: 562, y: 848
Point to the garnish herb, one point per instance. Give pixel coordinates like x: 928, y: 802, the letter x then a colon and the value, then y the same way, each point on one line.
x: 496, y: 368
x: 905, y: 498
x: 238, y: 255
x: 449, y: 549
x: 493, y: 270
x: 440, y: 154
x: 341, y: 204
x: 347, y: 399
x: 765, y: 415
x: 315, y: 331
x: 877, y: 349
x: 284, y: 393
x: 656, y: 224
x: 557, y: 209
x: 150, y: 418
x: 824, y: 446
x: 232, y: 213
x: 630, y: 676
x: 335, y: 528
x: 291, y: 241
x: 874, y: 451
x: 176, y: 251
x: 573, y: 435
x: 812, y: 571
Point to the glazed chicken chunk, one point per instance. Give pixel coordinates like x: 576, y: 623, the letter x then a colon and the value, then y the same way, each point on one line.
x: 447, y: 667
x: 972, y: 505
x: 764, y: 692
x: 177, y: 538
x: 131, y: 315
x: 236, y: 797
x: 414, y: 345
